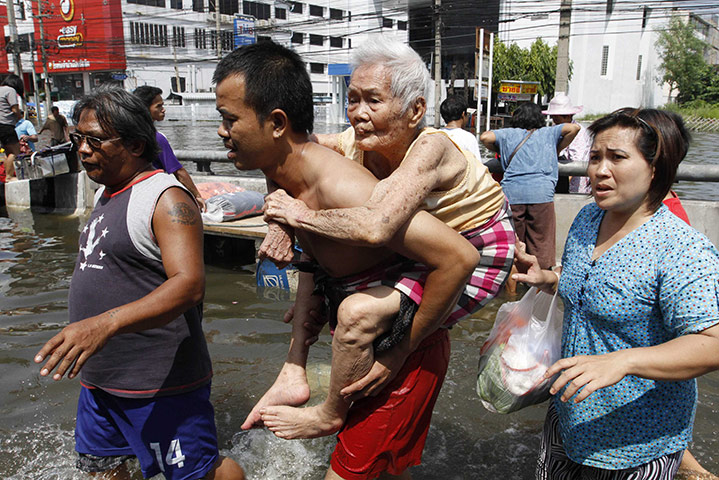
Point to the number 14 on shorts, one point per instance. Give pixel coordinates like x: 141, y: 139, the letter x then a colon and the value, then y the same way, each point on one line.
x: 174, y: 454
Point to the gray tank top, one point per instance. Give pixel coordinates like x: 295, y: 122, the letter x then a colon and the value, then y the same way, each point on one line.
x: 120, y: 262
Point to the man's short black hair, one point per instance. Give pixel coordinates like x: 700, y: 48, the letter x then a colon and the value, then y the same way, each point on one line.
x: 275, y: 78
x: 54, y: 109
x: 122, y: 114
x: 147, y: 93
x: 453, y: 108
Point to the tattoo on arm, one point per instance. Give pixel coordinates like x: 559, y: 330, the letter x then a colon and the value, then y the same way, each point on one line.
x: 114, y: 313
x: 183, y: 213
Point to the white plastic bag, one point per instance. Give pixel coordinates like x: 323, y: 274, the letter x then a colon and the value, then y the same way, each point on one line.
x: 524, y: 342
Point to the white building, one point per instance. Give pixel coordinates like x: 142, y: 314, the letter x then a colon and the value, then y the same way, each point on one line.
x: 176, y: 42
x: 611, y: 47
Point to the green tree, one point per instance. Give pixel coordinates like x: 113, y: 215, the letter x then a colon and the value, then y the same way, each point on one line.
x: 538, y: 63
x: 682, y: 64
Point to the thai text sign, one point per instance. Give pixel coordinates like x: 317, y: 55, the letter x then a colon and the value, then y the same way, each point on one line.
x: 528, y: 88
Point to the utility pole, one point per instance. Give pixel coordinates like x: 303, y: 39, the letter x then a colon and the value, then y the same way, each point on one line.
x: 12, y: 26
x: 217, y: 28
x: 561, y: 82
x: 437, y: 61
x: 48, y: 100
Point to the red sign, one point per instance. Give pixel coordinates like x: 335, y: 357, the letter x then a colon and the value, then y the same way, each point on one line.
x: 81, y: 35
x: 4, y: 65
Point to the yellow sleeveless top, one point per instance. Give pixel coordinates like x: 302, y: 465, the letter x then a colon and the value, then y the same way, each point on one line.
x: 469, y: 204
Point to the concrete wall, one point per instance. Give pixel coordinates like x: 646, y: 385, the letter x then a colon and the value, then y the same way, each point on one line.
x: 704, y: 216
x: 71, y: 193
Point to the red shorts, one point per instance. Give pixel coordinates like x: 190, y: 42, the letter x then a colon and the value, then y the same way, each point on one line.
x: 386, y: 433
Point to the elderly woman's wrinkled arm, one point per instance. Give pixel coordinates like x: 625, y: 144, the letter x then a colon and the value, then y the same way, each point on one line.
x: 392, y: 203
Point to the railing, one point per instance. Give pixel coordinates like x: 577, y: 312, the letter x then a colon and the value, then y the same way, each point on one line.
x: 686, y: 172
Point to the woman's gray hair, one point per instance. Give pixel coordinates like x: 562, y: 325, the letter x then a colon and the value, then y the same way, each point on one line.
x: 410, y: 78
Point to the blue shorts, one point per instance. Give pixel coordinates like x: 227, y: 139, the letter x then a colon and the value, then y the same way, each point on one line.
x: 173, y: 435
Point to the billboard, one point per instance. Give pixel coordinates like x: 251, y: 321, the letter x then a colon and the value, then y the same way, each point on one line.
x: 81, y: 35
x: 244, y: 30
x: 4, y: 64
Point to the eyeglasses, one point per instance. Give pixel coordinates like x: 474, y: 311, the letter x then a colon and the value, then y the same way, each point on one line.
x: 95, y: 143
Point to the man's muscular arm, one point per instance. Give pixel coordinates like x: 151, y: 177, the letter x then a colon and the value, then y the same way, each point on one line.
x: 178, y: 229
x: 391, y: 204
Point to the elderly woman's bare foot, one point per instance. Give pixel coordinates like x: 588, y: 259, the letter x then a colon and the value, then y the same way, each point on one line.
x: 291, y: 423
x: 290, y: 388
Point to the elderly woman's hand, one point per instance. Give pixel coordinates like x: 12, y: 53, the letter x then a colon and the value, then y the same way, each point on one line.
x: 588, y: 373
x: 277, y: 245
x: 280, y: 207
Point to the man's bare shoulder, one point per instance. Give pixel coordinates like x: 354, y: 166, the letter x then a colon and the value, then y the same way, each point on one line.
x: 337, y: 181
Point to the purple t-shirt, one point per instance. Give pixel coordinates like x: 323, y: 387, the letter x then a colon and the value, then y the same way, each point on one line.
x: 166, y: 160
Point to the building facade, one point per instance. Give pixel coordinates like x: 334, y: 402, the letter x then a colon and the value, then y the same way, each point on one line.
x: 175, y: 44
x: 611, y: 46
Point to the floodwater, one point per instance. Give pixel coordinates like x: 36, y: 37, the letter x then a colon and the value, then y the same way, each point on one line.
x: 248, y: 341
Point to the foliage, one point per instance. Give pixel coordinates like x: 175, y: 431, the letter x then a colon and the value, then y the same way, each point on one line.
x: 682, y: 61
x: 538, y: 63
x: 697, y: 108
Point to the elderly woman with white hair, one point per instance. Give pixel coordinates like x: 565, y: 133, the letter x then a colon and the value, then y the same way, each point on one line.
x: 418, y: 168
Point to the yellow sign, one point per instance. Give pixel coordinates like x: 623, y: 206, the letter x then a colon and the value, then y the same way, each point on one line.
x: 528, y: 88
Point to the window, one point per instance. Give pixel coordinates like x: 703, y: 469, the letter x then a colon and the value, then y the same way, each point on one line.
x: 173, y: 84
x: 295, y: 7
x: 228, y: 7
x: 281, y: 13
x: 200, y: 38
x: 639, y: 67
x: 148, y: 34
x: 176, y: 4
x: 227, y: 40
x: 401, y: 25
x: 610, y: 6
x: 336, y: 42
x: 263, y: 38
x: 386, y: 22
x: 316, y: 10
x: 316, y: 39
x: 260, y: 11
x: 335, y: 14
x: 178, y: 37
x: 605, y: 60
x: 151, y: 3
x: 645, y: 17
x: 297, y: 37
x: 198, y: 5
x: 317, y: 68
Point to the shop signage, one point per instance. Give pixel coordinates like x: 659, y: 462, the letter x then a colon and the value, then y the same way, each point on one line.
x: 517, y: 91
x: 244, y: 30
x: 4, y: 64
x: 81, y: 35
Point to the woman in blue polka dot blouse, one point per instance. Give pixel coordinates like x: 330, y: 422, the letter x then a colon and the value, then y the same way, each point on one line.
x: 641, y: 319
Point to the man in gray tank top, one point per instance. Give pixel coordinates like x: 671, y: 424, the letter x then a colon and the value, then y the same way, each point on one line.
x: 135, y: 308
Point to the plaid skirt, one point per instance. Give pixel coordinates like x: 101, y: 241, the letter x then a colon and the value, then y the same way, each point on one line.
x: 495, y: 243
